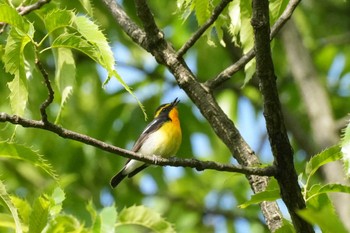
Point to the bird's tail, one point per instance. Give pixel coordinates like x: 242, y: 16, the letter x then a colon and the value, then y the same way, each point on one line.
x: 117, y: 178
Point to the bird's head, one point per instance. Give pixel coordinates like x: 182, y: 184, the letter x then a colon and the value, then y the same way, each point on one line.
x: 168, y: 110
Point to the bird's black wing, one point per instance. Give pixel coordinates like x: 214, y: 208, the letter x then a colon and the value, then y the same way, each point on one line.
x: 150, y: 128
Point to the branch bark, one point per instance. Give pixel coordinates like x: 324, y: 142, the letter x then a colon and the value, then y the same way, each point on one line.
x: 286, y: 175
x: 201, y: 96
x: 175, y: 162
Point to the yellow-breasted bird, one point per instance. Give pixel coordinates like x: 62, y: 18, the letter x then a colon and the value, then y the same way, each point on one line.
x: 161, y: 137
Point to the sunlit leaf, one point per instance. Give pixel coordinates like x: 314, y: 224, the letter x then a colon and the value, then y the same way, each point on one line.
x: 6, y: 221
x: 287, y: 227
x: 58, y: 18
x: 271, y: 193
x: 7, y: 203
x: 90, y: 31
x: 320, y: 210
x: 65, y: 75
x: 39, y: 216
x: 18, y: 96
x: 276, y: 9
x: 328, y: 188
x: 202, y: 10
x: 14, y: 61
x: 57, y: 197
x: 108, y: 217
x: 21, y: 152
x: 65, y: 223
x: 10, y: 16
x: 23, y: 207
x: 87, y: 6
x: 142, y: 216
x: 329, y: 155
x: 345, y: 149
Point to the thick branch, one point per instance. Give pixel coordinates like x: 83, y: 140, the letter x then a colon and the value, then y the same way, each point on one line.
x: 175, y: 162
x: 231, y: 70
x: 287, y: 177
x: 217, y: 11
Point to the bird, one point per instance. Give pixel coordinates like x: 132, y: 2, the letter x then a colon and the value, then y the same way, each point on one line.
x: 161, y: 137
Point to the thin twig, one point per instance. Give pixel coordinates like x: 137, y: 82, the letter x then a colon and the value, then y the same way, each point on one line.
x: 217, y: 11
x: 175, y: 162
x: 232, y: 69
x: 23, y: 10
x: 51, y: 93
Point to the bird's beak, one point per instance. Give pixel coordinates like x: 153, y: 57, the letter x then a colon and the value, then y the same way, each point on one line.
x: 175, y: 102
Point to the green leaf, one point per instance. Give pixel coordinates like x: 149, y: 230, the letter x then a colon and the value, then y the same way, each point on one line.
x: 202, y: 10
x: 57, y: 19
x: 246, y: 32
x: 23, y: 207
x: 249, y: 70
x: 14, y: 61
x: 6, y: 221
x: 345, y: 149
x: 276, y: 9
x: 95, y: 218
x: 271, y: 193
x: 326, y: 221
x: 108, y: 218
x: 247, y: 38
x: 287, y: 227
x: 234, y: 11
x: 6, y: 202
x: 328, y: 188
x: 87, y: 6
x: 73, y: 41
x: 142, y: 216
x: 64, y: 223
x: 329, y: 155
x: 65, y: 75
x: 18, y: 96
x: 90, y: 31
x: 14, y: 51
x: 39, y: 216
x: 57, y: 198
x: 10, y: 16
x: 320, y: 210
x: 20, y: 152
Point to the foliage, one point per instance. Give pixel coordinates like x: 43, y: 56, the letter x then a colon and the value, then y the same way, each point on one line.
x: 55, y: 185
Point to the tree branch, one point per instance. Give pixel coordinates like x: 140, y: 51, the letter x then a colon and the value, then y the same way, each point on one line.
x: 23, y: 10
x: 283, y: 153
x: 175, y: 162
x: 51, y: 93
x: 231, y: 70
x: 217, y: 11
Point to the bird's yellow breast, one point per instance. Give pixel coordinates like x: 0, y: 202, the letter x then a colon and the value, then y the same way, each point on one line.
x: 164, y: 142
